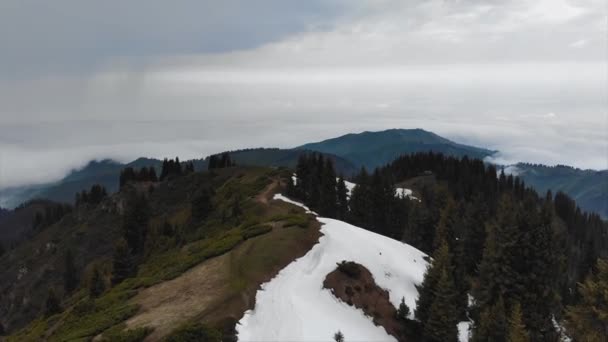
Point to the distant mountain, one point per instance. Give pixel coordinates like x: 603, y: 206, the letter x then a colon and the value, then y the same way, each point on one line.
x: 589, y: 188
x: 373, y: 149
x: 106, y: 172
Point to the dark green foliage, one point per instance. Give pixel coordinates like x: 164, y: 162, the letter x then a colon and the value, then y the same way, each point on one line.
x: 517, y: 330
x: 256, y: 230
x: 170, y: 168
x: 339, y: 336
x: 220, y: 161
x: 403, y: 311
x: 94, y: 196
x: 135, y: 223
x: 492, y: 324
x: 588, y: 320
x: 97, y: 284
x: 52, y: 305
x: 316, y: 184
x: 349, y: 268
x: 202, y: 205
x: 53, y: 212
x: 70, y: 273
x: 195, y: 333
x: 121, y: 334
x: 442, y: 320
x: 521, y: 263
x: 131, y: 174
x: 123, y: 265
x: 342, y: 200
x: 427, y: 290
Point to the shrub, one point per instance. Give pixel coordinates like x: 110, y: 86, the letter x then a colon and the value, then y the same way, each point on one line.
x: 351, y: 269
x: 195, y: 332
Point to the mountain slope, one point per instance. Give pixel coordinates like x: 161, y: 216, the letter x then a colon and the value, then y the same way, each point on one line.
x: 589, y: 188
x: 106, y: 173
x: 315, y: 314
x: 174, y: 272
x: 373, y: 149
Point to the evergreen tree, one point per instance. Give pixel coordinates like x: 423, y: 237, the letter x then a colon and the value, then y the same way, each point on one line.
x: 328, y: 196
x: 202, y: 205
x: 517, y: 330
x: 96, y: 284
x: 492, y: 324
x: 427, y: 290
x: 123, y: 266
x: 588, y: 320
x: 52, y: 305
x: 338, y: 336
x: 70, y: 273
x: 341, y: 199
x: 403, y: 312
x: 135, y: 223
x: 360, y: 201
x: 442, y: 320
x: 498, y: 271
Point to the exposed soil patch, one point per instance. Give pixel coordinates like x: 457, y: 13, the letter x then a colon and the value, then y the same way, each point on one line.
x: 355, y: 285
x: 218, y: 291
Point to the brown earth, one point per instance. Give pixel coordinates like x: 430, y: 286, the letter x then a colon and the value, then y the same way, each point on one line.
x: 218, y: 291
x: 355, y: 286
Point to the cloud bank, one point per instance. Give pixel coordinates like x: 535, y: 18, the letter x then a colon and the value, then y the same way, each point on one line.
x: 85, y: 81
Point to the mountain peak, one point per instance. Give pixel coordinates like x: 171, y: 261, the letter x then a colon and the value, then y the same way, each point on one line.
x: 375, y: 148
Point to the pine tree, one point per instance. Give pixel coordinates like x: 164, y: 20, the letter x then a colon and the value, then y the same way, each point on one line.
x: 442, y: 320
x: 588, y: 320
x: 328, y: 196
x: 52, y: 303
x: 202, y: 205
x: 403, y: 312
x: 342, y: 199
x: 96, y: 284
x: 123, y: 265
x: 338, y: 336
x: 517, y: 330
x: 70, y: 273
x: 492, y: 324
x: 360, y: 201
x: 135, y: 223
x: 427, y: 290
x: 498, y: 272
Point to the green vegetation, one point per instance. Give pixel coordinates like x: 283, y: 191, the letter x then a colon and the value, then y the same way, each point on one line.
x: 158, y: 240
x: 195, y: 333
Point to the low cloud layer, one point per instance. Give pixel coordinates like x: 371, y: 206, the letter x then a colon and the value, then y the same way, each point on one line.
x: 89, y: 81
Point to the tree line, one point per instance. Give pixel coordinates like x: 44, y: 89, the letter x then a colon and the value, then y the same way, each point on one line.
x: 518, y: 254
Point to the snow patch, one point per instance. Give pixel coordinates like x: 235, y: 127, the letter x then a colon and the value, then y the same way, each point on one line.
x: 285, y: 199
x: 294, y: 306
x: 464, y: 331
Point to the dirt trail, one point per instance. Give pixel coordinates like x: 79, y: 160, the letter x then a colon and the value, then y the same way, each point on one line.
x: 269, y: 191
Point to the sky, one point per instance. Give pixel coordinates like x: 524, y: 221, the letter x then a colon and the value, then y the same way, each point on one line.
x: 84, y: 80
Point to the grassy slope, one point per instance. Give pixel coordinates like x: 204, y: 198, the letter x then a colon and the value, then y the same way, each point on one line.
x: 263, y: 247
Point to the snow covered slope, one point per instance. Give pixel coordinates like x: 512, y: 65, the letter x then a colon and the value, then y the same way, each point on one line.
x: 294, y: 306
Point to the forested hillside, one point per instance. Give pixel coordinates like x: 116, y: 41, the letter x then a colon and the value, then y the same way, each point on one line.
x: 518, y: 255
x: 129, y: 265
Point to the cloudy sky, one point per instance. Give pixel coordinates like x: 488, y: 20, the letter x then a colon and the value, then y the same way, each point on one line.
x: 82, y: 80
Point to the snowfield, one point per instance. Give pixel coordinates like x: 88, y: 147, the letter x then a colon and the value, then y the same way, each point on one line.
x: 294, y: 306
